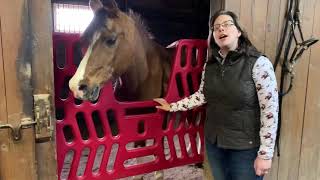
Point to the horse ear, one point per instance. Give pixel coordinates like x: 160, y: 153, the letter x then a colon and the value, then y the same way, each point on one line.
x: 95, y: 5
x: 110, y: 4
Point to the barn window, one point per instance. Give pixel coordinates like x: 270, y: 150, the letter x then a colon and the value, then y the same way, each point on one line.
x: 69, y: 18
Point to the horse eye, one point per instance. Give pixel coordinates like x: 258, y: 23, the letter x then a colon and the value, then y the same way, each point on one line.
x: 110, y: 41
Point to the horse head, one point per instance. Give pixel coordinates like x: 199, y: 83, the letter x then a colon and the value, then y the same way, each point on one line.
x: 114, y: 47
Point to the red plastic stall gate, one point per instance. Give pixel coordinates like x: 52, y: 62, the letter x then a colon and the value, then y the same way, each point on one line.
x: 88, y: 149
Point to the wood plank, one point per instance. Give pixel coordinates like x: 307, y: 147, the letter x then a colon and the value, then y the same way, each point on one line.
x: 46, y: 161
x: 41, y: 22
x: 270, y: 49
x: 310, y: 149
x: 259, y: 23
x: 17, y: 158
x: 234, y: 6
x: 293, y: 107
x: 246, y: 17
x: 42, y: 79
x: 282, y: 14
x: 3, y: 105
x: 11, y: 39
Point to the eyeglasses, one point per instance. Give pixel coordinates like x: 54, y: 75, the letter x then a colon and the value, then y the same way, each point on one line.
x: 225, y: 24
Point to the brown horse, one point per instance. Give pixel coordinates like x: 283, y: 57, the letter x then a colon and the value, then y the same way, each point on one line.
x: 119, y: 45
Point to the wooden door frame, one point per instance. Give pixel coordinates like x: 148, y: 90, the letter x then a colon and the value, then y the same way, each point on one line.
x: 42, y: 79
x: 25, y: 69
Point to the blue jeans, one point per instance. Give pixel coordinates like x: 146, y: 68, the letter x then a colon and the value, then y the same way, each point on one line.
x: 228, y: 164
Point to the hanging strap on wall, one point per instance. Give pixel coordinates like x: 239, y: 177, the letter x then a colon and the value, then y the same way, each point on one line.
x: 289, y: 34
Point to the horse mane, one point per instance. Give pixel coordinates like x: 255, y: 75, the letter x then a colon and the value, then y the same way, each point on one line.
x: 101, y: 17
x: 140, y: 23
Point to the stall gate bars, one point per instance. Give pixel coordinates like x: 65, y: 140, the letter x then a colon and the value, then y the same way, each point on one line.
x: 95, y: 140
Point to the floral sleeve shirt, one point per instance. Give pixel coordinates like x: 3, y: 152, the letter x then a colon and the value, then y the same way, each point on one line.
x: 266, y: 85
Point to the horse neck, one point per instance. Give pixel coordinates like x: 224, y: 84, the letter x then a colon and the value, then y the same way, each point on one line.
x: 159, y: 67
x: 155, y: 73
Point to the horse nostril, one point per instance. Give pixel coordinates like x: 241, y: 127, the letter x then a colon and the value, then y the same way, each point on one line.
x: 83, y: 87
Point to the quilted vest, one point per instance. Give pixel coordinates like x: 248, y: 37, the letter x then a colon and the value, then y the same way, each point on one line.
x: 233, y: 112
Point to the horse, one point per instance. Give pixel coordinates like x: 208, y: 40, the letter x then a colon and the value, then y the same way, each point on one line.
x: 120, y: 47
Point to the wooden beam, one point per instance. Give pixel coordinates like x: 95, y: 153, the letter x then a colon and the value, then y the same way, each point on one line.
x: 3, y: 105
x: 42, y: 79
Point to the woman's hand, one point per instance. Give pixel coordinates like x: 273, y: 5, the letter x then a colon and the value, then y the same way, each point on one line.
x: 262, y: 166
x: 164, y: 104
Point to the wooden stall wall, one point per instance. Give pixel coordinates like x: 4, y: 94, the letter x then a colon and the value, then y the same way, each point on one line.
x: 25, y: 69
x: 299, y: 140
x: 310, y: 147
x: 17, y: 158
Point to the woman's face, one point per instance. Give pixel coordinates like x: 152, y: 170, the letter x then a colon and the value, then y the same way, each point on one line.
x: 225, y: 33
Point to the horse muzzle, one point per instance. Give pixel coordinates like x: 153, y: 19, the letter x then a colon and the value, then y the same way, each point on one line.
x: 86, y: 93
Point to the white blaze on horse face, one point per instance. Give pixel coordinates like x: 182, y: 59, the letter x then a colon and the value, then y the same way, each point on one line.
x: 79, y: 75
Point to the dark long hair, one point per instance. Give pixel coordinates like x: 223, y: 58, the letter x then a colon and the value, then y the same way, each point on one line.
x: 244, y: 44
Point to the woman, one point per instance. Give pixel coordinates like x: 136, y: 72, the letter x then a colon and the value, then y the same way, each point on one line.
x: 240, y: 90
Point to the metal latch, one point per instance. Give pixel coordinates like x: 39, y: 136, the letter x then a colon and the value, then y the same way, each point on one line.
x: 42, y: 116
x: 42, y: 120
x: 16, y: 131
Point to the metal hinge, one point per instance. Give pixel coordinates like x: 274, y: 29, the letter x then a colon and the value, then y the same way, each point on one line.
x: 43, y: 117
